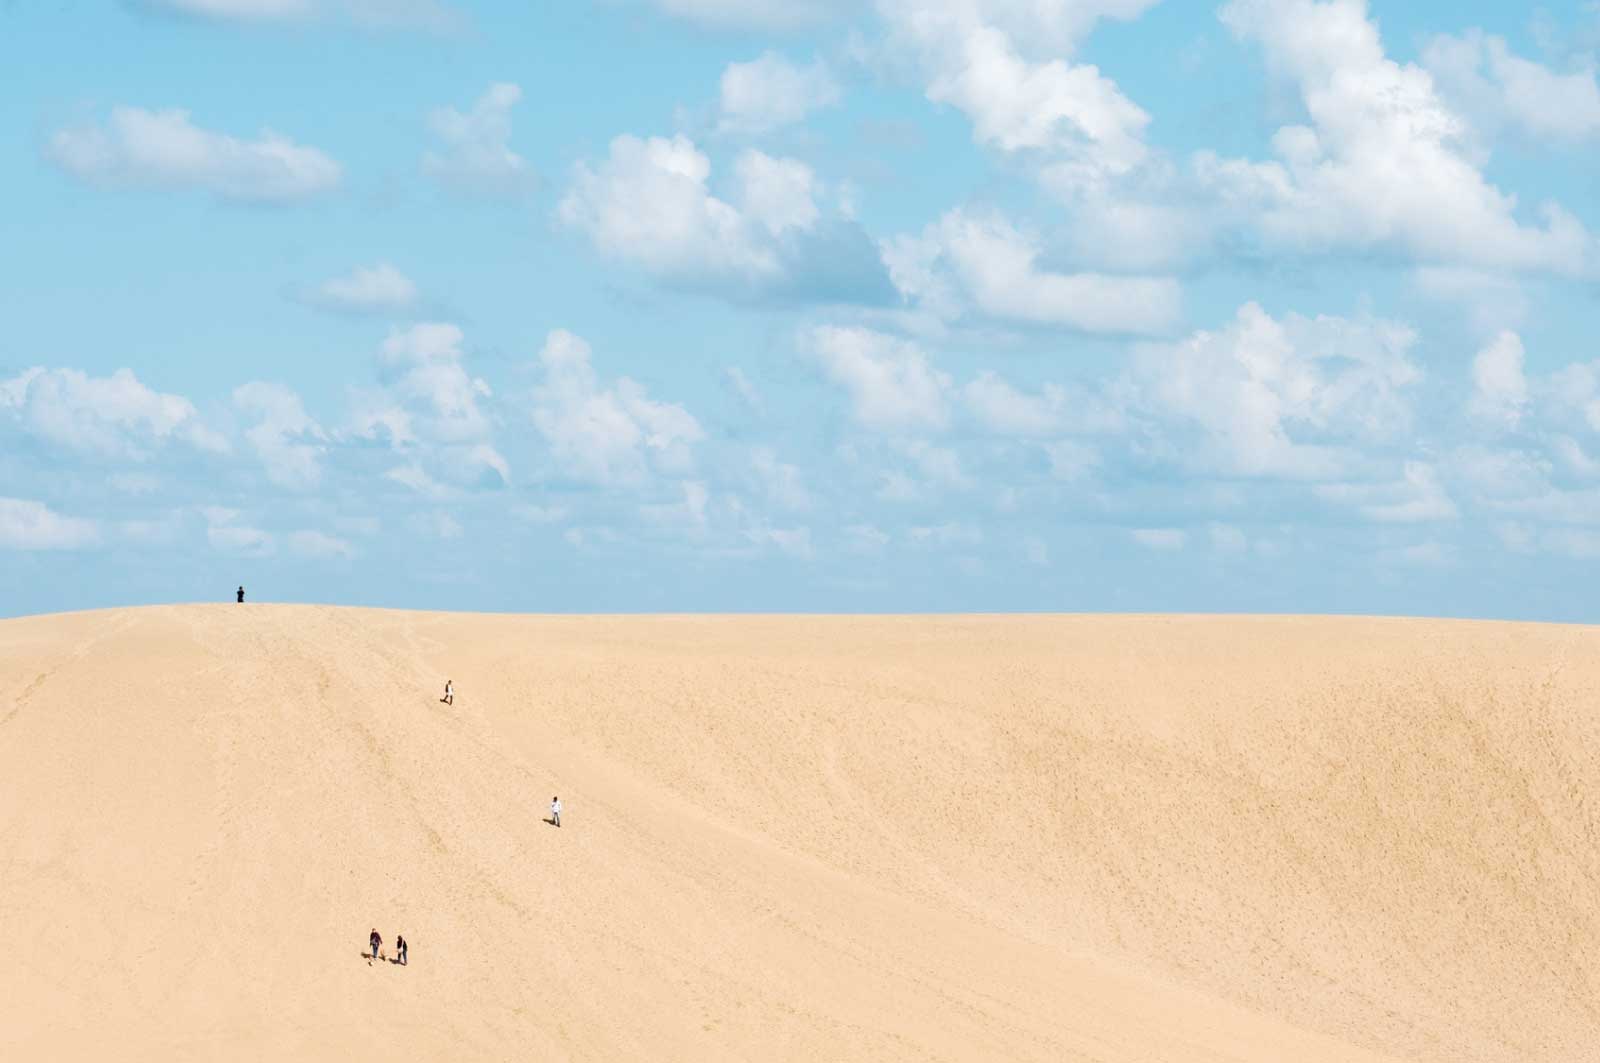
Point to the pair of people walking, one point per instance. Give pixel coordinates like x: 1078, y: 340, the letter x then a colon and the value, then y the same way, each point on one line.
x: 375, y: 940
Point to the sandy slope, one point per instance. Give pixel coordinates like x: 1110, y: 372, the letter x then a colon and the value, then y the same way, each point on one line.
x: 1052, y: 839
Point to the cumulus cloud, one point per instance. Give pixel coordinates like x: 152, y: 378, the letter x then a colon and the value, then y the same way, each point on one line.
x: 1498, y: 90
x: 289, y: 443
x: 976, y: 263
x: 1382, y: 162
x: 474, y: 153
x: 609, y: 435
x: 1500, y: 389
x: 376, y: 289
x: 892, y: 385
x: 164, y: 149
x: 1268, y: 397
x: 113, y: 416
x: 432, y: 409
x: 770, y: 92
x: 1075, y: 121
x: 649, y: 203
x: 30, y: 525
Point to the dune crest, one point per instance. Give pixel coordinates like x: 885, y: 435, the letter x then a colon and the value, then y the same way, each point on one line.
x: 956, y: 838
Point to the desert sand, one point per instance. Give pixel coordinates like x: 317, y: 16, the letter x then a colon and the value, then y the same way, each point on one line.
x: 919, y: 838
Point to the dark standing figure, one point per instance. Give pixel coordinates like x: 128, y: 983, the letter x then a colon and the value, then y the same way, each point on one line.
x: 449, y: 693
x: 400, y: 949
x: 376, y: 941
x: 555, y: 811
x: 241, y: 595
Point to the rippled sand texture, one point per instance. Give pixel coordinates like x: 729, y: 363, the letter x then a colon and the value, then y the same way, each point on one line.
x: 956, y: 838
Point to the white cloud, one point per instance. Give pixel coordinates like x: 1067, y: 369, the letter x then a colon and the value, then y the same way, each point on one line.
x: 1482, y: 78
x: 892, y: 385
x: 1494, y: 301
x: 286, y: 439
x: 164, y: 149
x: 649, y: 203
x: 317, y: 544
x: 780, y: 482
x: 1001, y: 408
x: 978, y: 262
x: 1382, y: 163
x: 1274, y: 398
x: 1419, y: 496
x: 475, y: 153
x: 115, y: 416
x: 770, y: 92
x: 30, y: 525
x: 688, y: 512
x: 430, y: 395
x: 379, y: 288
x: 1160, y: 538
x: 607, y: 435
x: 1500, y: 390
x: 1078, y: 123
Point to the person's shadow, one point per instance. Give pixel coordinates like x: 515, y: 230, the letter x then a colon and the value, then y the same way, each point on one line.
x: 551, y: 820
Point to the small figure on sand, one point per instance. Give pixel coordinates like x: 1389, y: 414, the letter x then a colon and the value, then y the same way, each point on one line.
x: 400, y: 949
x: 241, y: 595
x: 555, y: 811
x: 449, y: 693
x: 376, y: 941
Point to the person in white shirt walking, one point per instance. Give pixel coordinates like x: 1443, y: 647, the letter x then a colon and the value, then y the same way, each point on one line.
x: 555, y: 811
x: 449, y: 693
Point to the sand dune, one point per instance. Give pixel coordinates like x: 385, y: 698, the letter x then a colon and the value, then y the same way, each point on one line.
x: 1097, y: 838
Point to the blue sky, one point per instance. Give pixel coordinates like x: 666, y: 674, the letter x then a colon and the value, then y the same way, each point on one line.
x: 1066, y: 305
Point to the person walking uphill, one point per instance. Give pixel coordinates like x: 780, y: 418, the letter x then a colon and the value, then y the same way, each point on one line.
x: 400, y: 949
x: 376, y: 941
x: 555, y: 811
x: 449, y: 693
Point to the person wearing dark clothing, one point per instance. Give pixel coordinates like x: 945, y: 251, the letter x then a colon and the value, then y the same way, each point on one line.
x: 400, y: 949
x: 241, y: 595
x: 449, y: 693
x: 376, y: 940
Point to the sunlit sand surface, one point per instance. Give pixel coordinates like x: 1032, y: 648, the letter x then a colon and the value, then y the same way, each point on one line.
x: 950, y: 838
